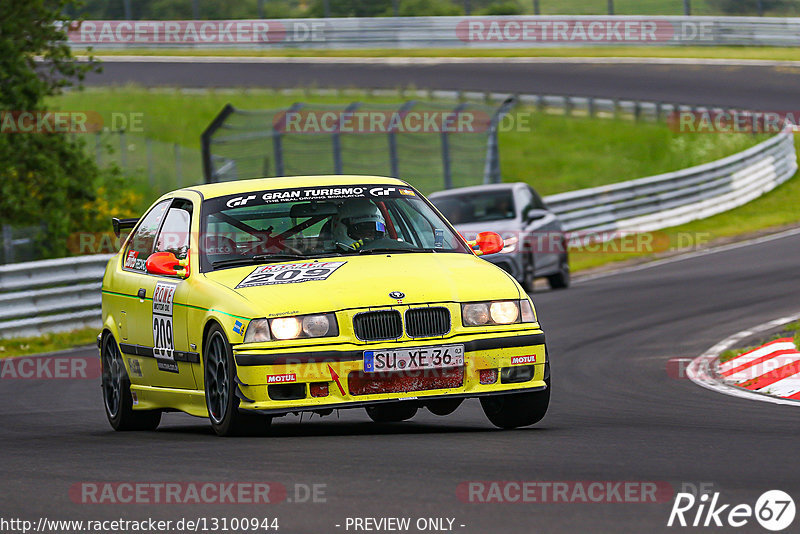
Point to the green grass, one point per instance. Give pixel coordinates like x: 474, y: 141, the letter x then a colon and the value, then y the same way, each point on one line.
x: 704, y: 52
x: 790, y: 330
x: 24, y: 346
x: 557, y: 153
x: 776, y: 209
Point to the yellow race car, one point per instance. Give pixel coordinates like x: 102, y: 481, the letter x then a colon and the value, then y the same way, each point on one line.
x: 243, y: 301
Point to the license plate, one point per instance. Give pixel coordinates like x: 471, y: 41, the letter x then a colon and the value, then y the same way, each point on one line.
x: 413, y: 359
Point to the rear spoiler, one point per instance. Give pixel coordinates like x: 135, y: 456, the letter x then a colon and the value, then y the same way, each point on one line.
x: 122, y: 224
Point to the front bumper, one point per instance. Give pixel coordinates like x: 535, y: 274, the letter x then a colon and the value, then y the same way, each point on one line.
x: 340, y: 368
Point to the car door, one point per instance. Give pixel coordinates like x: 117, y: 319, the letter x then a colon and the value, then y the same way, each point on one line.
x: 157, y: 330
x: 542, y: 230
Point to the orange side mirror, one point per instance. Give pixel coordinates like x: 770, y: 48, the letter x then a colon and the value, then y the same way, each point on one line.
x: 166, y: 264
x: 489, y: 243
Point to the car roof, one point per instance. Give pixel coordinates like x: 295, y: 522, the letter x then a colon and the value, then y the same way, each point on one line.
x: 478, y: 189
x: 287, y: 182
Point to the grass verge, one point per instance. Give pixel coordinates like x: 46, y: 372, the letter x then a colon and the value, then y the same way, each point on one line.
x: 552, y: 152
x: 790, y: 330
x: 25, y: 346
x: 691, y: 52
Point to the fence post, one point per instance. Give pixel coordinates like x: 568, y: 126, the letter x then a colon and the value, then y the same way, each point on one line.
x: 536, y: 10
x: 491, y: 170
x: 205, y: 141
x: 393, y: 159
x: 687, y: 7
x: 277, y: 144
x: 610, y: 7
x: 148, y: 143
x: 98, y: 152
x: 337, y: 141
x: 178, y: 170
x: 8, y: 244
x: 123, y: 150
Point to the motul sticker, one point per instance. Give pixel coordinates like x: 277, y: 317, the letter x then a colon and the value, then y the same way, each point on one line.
x: 522, y: 360
x: 280, y: 379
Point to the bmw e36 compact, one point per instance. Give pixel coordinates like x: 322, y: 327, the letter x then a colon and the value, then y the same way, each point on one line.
x: 244, y: 301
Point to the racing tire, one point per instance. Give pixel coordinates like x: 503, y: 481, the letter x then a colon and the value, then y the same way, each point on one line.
x: 528, y: 281
x: 517, y: 409
x: 117, y: 397
x: 393, y: 412
x: 220, y: 391
x: 561, y: 279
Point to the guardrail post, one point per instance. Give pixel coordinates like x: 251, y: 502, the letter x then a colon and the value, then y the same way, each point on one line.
x: 567, y: 106
x: 659, y: 111
x: 591, y: 105
x: 637, y: 111
x: 616, y: 108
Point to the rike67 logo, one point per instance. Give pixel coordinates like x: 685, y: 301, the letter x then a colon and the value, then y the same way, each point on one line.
x: 774, y: 510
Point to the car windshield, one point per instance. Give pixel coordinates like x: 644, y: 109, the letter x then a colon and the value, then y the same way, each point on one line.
x: 317, y: 222
x: 476, y: 207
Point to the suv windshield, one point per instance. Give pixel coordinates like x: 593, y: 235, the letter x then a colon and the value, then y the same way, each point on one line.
x: 476, y: 207
x: 315, y: 222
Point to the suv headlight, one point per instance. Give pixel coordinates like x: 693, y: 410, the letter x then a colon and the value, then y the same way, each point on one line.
x: 497, y: 312
x: 298, y: 327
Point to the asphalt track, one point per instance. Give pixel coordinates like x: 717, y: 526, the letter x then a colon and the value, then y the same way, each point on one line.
x: 741, y: 86
x: 615, y: 414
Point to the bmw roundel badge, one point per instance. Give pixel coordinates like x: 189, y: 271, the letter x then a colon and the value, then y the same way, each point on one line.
x: 397, y: 295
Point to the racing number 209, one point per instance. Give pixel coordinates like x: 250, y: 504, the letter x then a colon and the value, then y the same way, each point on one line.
x: 162, y: 333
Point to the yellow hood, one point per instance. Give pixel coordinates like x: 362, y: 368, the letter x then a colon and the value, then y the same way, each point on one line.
x: 366, y: 281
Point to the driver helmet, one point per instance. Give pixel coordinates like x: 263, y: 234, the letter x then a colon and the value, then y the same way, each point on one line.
x: 358, y: 220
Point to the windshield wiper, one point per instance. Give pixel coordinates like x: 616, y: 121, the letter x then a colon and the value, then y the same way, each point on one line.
x: 270, y: 258
x: 260, y: 258
x: 383, y: 250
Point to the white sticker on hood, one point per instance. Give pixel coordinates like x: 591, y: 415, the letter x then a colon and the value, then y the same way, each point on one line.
x: 290, y: 273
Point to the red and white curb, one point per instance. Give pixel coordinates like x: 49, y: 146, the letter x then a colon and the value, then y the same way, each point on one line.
x: 770, y: 373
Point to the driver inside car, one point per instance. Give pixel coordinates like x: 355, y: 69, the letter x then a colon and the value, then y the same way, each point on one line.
x: 358, y: 222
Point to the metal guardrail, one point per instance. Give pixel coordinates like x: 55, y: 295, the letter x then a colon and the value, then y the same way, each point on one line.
x: 50, y: 295
x: 670, y: 199
x: 63, y: 294
x: 441, y: 32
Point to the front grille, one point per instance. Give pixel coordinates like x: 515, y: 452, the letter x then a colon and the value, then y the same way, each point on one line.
x: 378, y: 325
x: 427, y: 322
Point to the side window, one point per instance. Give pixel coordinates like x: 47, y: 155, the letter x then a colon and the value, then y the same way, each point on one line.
x: 141, y: 243
x: 174, y: 235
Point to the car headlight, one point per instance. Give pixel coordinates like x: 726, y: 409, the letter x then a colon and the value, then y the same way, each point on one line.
x: 299, y: 327
x: 497, y: 312
x: 257, y: 331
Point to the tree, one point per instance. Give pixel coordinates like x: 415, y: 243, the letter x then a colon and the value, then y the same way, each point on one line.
x: 46, y: 179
